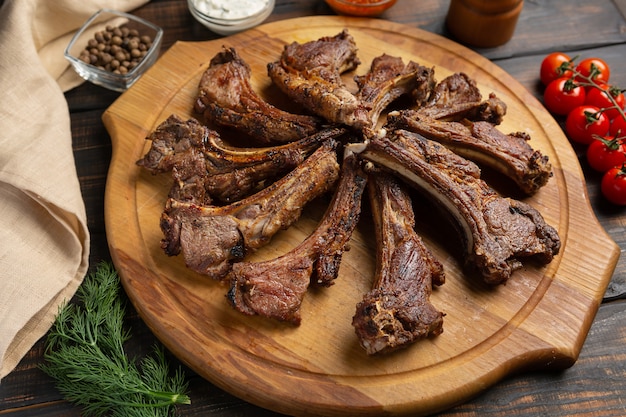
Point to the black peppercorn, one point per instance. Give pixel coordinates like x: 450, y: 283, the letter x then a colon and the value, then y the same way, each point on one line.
x: 116, y: 49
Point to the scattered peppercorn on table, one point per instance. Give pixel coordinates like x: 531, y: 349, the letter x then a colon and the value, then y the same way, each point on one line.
x: 594, y: 385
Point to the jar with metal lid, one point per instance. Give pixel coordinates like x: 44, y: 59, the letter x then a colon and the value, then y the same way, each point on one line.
x: 483, y: 23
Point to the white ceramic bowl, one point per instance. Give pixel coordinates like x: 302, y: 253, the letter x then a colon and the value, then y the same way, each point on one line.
x: 222, y: 24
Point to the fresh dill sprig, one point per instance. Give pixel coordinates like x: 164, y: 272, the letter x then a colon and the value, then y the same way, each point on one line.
x: 85, y: 355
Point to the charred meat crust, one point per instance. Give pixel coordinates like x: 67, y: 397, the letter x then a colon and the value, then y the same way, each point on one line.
x: 206, y: 171
x: 397, y: 311
x: 388, y: 79
x: 483, y: 143
x: 211, y: 237
x: 276, y: 288
x: 310, y: 75
x: 457, y: 97
x: 226, y: 98
x: 499, y: 231
x: 172, y: 141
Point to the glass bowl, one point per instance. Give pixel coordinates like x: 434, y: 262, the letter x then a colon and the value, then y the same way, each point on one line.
x: 95, y: 72
x: 364, y: 8
x: 228, y: 22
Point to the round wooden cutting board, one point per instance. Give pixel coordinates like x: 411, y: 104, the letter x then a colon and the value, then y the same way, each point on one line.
x: 539, y: 319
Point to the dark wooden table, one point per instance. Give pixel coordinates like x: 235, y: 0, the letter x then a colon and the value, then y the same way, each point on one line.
x: 595, y: 385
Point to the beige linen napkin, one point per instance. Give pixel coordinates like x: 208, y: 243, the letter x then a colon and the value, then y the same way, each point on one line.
x: 44, y: 240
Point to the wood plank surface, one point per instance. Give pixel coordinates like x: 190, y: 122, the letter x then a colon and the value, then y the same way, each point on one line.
x: 594, y: 386
x: 489, y: 333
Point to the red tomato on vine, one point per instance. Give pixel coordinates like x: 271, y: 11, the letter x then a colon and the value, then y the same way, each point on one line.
x: 596, y: 68
x: 551, y: 67
x: 562, y: 95
x: 613, y: 185
x: 606, y: 153
x: 618, y: 127
x: 585, y: 122
x: 599, y: 97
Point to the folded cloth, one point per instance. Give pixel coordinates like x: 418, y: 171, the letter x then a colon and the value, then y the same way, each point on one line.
x: 44, y: 249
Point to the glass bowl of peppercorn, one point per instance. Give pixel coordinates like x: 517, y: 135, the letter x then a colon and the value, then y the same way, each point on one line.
x: 113, y: 49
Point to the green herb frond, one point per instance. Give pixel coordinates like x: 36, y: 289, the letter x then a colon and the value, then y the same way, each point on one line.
x: 85, y: 355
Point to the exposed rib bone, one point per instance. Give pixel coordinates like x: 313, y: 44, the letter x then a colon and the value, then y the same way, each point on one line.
x: 457, y: 97
x: 205, y: 169
x: 483, y: 143
x: 276, y: 288
x: 389, y: 79
x: 226, y: 97
x: 498, y: 231
x: 397, y: 311
x: 310, y: 74
x: 211, y: 238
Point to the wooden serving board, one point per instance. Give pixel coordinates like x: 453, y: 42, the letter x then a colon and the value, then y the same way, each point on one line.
x: 539, y: 319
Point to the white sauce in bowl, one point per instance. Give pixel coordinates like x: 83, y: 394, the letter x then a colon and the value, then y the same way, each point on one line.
x: 230, y: 9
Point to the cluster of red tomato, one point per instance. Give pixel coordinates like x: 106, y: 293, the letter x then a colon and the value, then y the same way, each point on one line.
x: 594, y: 111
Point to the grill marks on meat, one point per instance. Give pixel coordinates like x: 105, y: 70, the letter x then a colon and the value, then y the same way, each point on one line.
x: 388, y: 79
x: 211, y: 237
x: 483, y: 143
x: 397, y: 311
x: 276, y: 288
x: 226, y: 98
x: 498, y: 231
x: 310, y: 75
x: 205, y: 170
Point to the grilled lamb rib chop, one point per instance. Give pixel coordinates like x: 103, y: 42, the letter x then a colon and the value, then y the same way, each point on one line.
x: 498, y: 231
x: 397, y: 311
x: 388, y: 79
x: 275, y: 288
x: 171, y: 142
x: 211, y: 238
x: 205, y: 169
x: 483, y: 143
x: 229, y: 174
x: 226, y: 97
x: 457, y: 97
x: 310, y: 74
